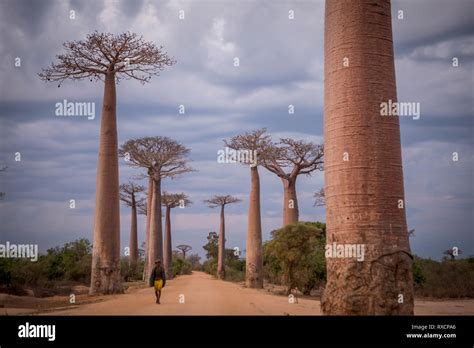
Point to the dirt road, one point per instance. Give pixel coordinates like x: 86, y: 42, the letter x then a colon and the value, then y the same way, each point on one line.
x: 201, y: 294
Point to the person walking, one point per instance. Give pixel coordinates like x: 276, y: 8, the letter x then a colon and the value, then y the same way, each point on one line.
x: 158, y: 279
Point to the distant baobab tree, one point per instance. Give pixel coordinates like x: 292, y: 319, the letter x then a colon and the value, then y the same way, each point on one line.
x: 288, y: 159
x: 184, y: 249
x: 365, y: 203
x: 453, y: 252
x: 214, y: 202
x: 163, y: 158
x: 319, y: 198
x: 257, y: 142
x: 142, y: 210
x: 108, y: 58
x: 128, y: 195
x: 170, y: 201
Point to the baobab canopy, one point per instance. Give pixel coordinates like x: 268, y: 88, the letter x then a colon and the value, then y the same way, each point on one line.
x: 125, y: 55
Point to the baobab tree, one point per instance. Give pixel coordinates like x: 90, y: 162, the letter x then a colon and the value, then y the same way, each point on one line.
x: 170, y: 201
x: 184, y: 249
x: 288, y: 159
x: 163, y: 158
x: 108, y: 58
x: 128, y: 195
x: 364, y: 191
x: 257, y: 142
x: 214, y: 202
x: 142, y: 209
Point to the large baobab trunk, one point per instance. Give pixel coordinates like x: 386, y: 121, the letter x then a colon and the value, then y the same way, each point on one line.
x: 133, y: 235
x: 155, y: 249
x: 363, y: 166
x: 221, y: 248
x: 290, y: 206
x: 105, y: 272
x: 167, y: 250
x: 254, y: 260
x: 149, y: 199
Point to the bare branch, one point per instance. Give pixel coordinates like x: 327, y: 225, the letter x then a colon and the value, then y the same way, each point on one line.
x: 142, y: 206
x: 128, y: 193
x: 296, y: 156
x: 161, y: 156
x: 173, y: 200
x: 126, y: 56
x: 219, y: 201
x: 319, y: 198
x: 256, y: 140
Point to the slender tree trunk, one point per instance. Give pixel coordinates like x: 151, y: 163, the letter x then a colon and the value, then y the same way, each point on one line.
x: 363, y: 165
x: 290, y: 204
x: 133, y: 235
x: 148, y: 231
x: 254, y: 259
x: 221, y: 248
x: 156, y: 232
x: 167, y: 250
x: 105, y: 271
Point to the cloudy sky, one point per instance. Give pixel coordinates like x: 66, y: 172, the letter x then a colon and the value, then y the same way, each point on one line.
x: 281, y: 63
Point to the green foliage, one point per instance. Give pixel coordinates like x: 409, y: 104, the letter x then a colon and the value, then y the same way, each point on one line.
x: 272, y: 271
x: 234, y: 267
x: 211, y: 246
x: 418, y: 275
x: 210, y: 266
x: 69, y: 263
x: 180, y: 266
x: 295, y: 256
x: 194, y: 260
x: 131, y: 272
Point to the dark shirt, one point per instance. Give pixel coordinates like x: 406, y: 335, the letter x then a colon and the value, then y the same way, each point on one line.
x: 157, y: 274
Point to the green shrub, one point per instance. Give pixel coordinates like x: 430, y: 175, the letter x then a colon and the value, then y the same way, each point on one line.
x: 131, y: 272
x: 180, y: 266
x: 418, y: 275
x: 210, y: 267
x: 69, y: 263
x: 295, y: 256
